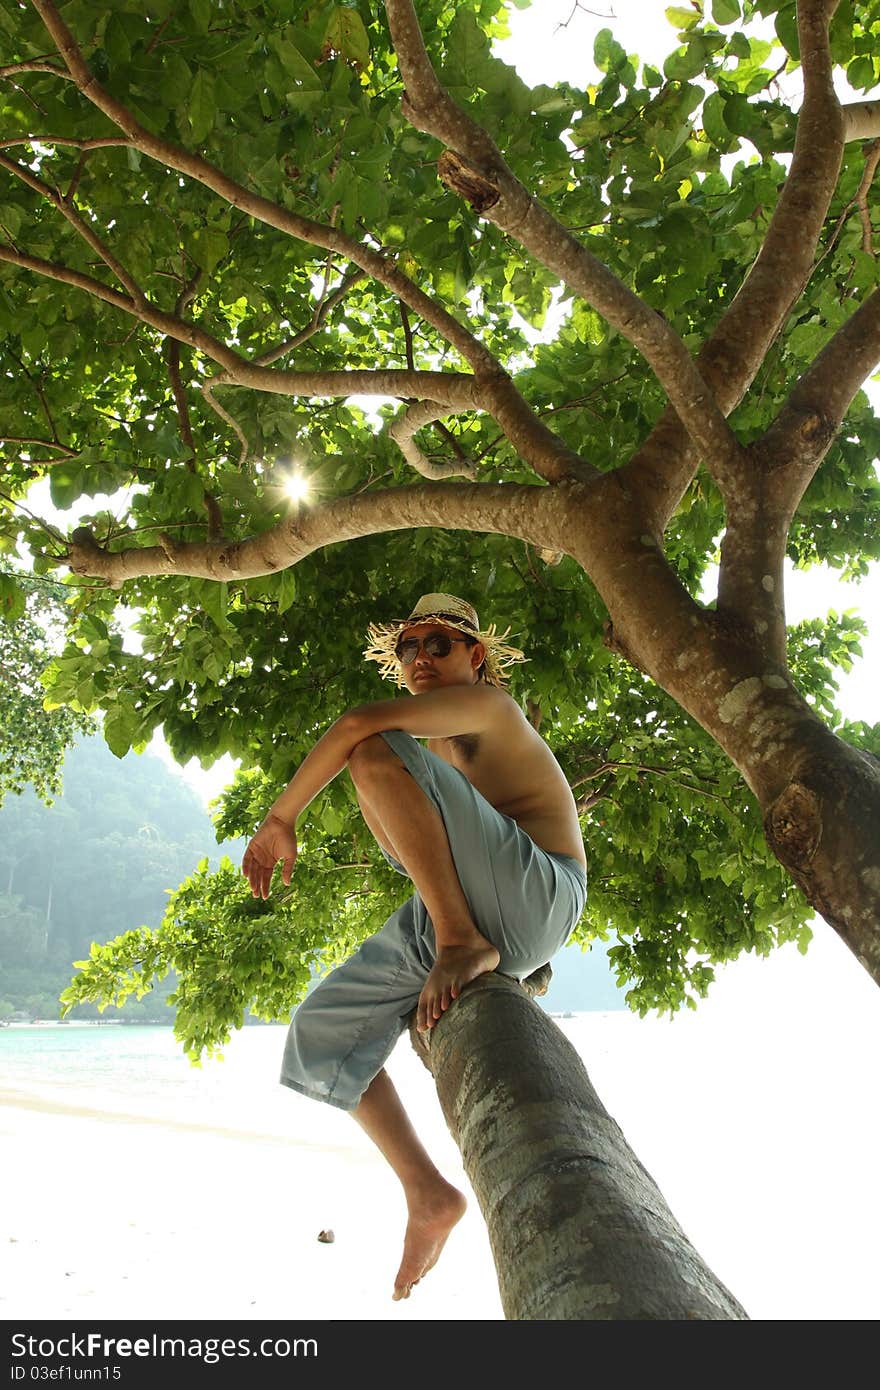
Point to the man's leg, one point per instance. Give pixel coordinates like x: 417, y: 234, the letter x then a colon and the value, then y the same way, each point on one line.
x: 434, y: 1205
x: 409, y: 826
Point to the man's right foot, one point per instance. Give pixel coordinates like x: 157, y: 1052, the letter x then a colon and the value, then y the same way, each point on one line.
x: 454, y: 967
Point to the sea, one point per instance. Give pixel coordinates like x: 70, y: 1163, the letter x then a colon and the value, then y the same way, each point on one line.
x: 137, y: 1185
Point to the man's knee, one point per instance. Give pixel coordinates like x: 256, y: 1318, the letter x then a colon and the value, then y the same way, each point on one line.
x: 370, y: 759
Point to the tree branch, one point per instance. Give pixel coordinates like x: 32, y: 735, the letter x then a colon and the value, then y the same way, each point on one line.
x: 98, y: 143
x: 206, y: 388
x: 532, y: 513
x: 872, y: 159
x: 455, y: 389
x: 43, y: 444
x: 534, y: 441
x: 473, y: 167
x: 664, y: 465
x: 861, y: 120
x: 322, y: 309
x: 41, y: 396
x: 62, y: 205
x: 403, y: 432
x: 379, y: 266
x: 800, y: 436
x: 33, y: 65
x: 751, y: 574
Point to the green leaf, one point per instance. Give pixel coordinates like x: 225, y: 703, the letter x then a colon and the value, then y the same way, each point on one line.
x: 116, y: 40
x: 286, y: 589
x: 11, y: 218
x: 65, y: 485
x: 714, y: 123
x: 213, y: 597
x: 295, y: 65
x: 119, y: 729
x: 201, y: 14
x: 861, y: 73
x: 608, y: 54
x: 201, y: 107
x: 345, y: 34
x: 177, y: 79
x: 12, y: 598
x: 687, y: 62
x: 681, y: 18
x: 787, y: 30
x: 725, y: 11
x: 208, y: 246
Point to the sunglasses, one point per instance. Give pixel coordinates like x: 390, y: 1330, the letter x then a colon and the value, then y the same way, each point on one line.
x: 437, y: 644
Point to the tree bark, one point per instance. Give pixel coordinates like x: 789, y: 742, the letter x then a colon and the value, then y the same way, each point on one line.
x: 579, y: 1230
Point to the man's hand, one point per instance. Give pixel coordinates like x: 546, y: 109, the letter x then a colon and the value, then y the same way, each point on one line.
x: 274, y: 842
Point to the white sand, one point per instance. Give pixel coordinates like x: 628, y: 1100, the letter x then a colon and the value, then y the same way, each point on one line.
x: 758, y: 1117
x: 127, y: 1219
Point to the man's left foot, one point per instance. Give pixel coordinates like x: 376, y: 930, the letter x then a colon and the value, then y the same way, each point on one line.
x: 430, y: 1221
x: 454, y: 967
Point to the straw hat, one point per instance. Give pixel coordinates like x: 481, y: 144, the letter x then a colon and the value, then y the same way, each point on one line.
x: 449, y: 611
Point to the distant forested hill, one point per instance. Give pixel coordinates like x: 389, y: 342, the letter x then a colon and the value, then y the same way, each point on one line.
x: 97, y: 862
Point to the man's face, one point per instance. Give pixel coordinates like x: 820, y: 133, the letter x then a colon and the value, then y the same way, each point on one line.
x: 428, y: 672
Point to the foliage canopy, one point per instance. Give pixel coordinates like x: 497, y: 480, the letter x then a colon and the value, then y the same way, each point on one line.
x: 172, y: 344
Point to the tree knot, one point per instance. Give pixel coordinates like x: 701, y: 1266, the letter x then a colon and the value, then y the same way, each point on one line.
x: 813, y: 427
x: 468, y: 183
x: 793, y: 826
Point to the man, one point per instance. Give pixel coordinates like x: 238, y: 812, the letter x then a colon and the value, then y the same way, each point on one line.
x: 483, y: 822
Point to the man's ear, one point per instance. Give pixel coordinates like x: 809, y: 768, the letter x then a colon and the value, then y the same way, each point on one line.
x: 478, y: 655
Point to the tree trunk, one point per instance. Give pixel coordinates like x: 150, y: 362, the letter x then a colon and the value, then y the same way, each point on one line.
x: 824, y: 827
x: 579, y: 1231
x: 819, y: 798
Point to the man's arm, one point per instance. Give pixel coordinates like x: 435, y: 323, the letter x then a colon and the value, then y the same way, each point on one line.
x: 434, y: 714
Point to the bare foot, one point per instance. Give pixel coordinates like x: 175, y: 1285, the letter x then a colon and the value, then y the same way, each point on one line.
x: 454, y: 967
x: 430, y: 1221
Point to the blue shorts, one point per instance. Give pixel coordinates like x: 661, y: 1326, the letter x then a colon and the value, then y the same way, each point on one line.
x: 525, y: 900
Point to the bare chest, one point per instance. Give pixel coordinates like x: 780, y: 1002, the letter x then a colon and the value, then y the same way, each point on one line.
x: 462, y: 751
x: 477, y: 758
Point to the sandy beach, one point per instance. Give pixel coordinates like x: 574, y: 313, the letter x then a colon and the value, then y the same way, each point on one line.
x: 124, y: 1216
x: 758, y: 1116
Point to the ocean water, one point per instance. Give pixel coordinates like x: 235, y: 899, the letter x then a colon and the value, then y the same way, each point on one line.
x: 141, y: 1072
x: 140, y: 1186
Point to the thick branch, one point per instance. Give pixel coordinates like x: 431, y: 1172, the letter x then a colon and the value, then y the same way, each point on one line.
x: 750, y: 586
x: 802, y: 432
x: 751, y: 592
x: 443, y: 391
x: 473, y: 167
x: 514, y: 509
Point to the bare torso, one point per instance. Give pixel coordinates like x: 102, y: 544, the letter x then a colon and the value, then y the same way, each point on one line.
x: 512, y: 767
